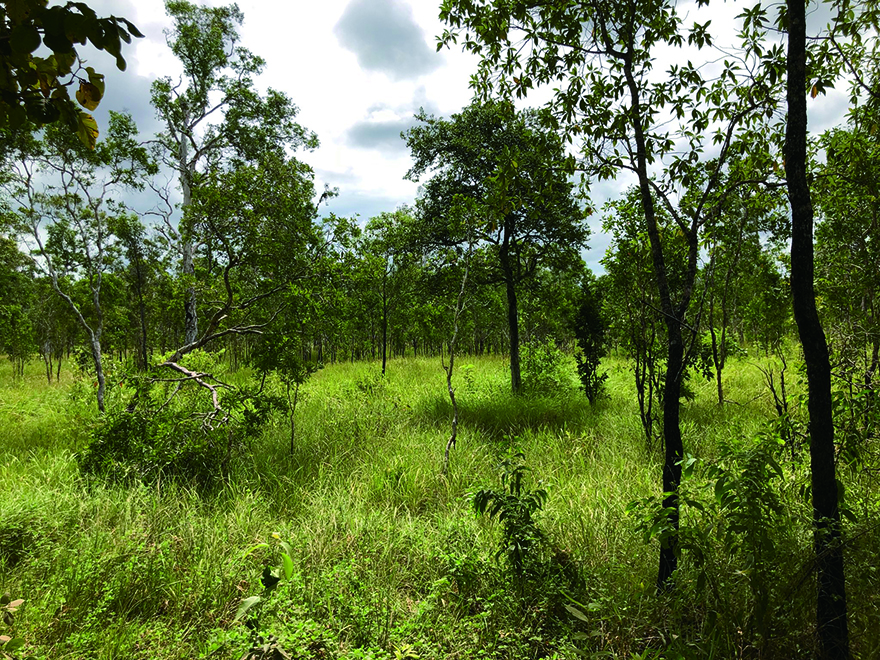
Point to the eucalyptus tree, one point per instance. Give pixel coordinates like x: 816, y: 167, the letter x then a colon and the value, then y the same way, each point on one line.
x: 599, y: 59
x: 214, y: 113
x: 257, y: 225
x: 498, y: 166
x: 64, y: 198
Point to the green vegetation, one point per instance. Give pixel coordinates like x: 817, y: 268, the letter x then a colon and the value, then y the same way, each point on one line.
x: 386, y: 556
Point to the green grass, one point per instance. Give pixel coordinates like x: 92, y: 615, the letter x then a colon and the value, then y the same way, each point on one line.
x: 387, y: 553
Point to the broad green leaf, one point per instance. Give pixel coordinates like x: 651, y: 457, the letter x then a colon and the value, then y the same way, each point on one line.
x: 287, y: 562
x: 24, y: 38
x: 97, y: 79
x: 14, y: 644
x: 576, y: 613
x: 246, y: 605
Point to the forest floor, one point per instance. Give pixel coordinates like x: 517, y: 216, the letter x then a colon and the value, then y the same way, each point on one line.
x: 385, y: 555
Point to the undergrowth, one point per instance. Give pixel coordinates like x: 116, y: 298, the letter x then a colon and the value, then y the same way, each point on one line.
x: 386, y: 557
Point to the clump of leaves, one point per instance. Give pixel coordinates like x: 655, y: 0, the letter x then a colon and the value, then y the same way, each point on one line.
x: 546, y: 369
x: 590, y: 329
x: 9, y: 644
x: 515, y: 506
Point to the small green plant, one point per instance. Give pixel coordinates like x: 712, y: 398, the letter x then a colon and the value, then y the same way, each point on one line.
x: 9, y: 644
x: 265, y: 647
x: 467, y: 373
x: 546, y: 369
x: 515, y: 507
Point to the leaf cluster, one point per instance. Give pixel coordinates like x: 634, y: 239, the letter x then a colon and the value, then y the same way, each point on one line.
x: 34, y: 88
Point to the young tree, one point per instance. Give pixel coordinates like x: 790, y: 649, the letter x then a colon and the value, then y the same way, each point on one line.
x: 513, y: 176
x: 214, y: 114
x: 17, y: 296
x: 831, y: 610
x: 598, y: 57
x: 386, y: 259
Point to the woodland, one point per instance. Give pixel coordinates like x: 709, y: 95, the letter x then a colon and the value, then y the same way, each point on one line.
x: 238, y: 425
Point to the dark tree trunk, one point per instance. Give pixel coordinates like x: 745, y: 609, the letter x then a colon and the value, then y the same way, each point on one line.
x: 673, y: 316
x: 512, y: 320
x: 384, y: 325
x: 831, y: 610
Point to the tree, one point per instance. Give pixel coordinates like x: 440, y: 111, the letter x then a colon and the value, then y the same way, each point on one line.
x: 598, y: 58
x: 217, y: 86
x: 34, y: 88
x: 831, y: 610
x: 498, y: 165
x: 66, y: 223
x: 387, y: 260
x: 591, y: 329
x: 16, y: 299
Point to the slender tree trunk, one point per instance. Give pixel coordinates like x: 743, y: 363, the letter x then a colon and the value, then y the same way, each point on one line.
x: 512, y: 320
x: 95, y: 341
x: 831, y: 608
x: 673, y: 315
x: 190, y: 311
x: 384, y: 328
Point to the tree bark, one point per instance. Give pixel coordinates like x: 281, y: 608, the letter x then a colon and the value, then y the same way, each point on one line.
x: 190, y: 311
x: 512, y: 319
x: 831, y: 609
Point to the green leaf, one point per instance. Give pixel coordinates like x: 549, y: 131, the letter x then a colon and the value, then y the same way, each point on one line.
x: 253, y: 549
x: 246, y: 605
x: 287, y: 563
x: 576, y: 613
x: 14, y: 644
x: 24, y: 38
x: 97, y: 79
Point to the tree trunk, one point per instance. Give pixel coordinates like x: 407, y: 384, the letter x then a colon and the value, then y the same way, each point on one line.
x: 672, y: 440
x: 190, y: 312
x: 95, y: 341
x: 512, y: 321
x: 831, y: 609
x: 384, y: 328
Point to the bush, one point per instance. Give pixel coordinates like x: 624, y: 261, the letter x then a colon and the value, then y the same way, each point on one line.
x: 143, y: 447
x: 545, y: 369
x: 590, y: 328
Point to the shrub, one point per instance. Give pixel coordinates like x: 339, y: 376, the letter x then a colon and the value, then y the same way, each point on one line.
x: 545, y: 369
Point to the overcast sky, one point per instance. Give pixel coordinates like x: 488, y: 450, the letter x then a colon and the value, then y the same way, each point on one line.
x: 358, y: 70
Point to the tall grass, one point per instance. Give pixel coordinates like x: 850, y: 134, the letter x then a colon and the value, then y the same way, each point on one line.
x: 389, y: 558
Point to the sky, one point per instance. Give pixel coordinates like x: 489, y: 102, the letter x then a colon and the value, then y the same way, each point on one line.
x: 358, y: 70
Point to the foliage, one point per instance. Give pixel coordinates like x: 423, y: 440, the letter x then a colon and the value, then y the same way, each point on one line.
x: 177, y: 436
x: 515, y: 507
x: 35, y: 87
x: 590, y: 330
x: 499, y: 178
x: 9, y: 644
x: 546, y: 369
